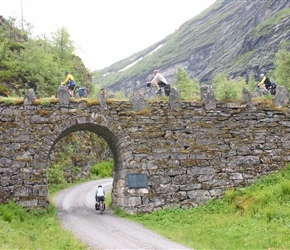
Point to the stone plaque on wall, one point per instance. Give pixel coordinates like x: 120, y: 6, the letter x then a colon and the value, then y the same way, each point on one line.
x: 137, y: 181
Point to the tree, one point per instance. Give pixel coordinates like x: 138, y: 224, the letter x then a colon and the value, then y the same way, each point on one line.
x: 63, y: 46
x: 5, y: 39
x: 186, y: 86
x: 281, y: 74
x: 39, y: 68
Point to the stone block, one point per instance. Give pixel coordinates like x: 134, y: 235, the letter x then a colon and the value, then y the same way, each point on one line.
x: 63, y: 95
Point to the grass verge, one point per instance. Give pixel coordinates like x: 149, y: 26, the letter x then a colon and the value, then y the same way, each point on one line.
x: 37, y: 229
x: 256, y: 217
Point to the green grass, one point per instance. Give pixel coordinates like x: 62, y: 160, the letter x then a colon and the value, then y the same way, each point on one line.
x: 256, y: 217
x: 37, y: 229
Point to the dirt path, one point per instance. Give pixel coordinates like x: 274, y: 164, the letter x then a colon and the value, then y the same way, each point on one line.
x: 107, y: 231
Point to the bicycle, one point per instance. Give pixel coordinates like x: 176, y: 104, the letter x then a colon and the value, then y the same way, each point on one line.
x: 270, y: 90
x: 100, y: 204
x: 164, y: 90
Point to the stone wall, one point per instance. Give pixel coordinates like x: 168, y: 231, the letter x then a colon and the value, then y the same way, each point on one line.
x: 189, y: 154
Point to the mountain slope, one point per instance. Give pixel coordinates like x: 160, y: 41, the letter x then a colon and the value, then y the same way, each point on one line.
x: 237, y: 37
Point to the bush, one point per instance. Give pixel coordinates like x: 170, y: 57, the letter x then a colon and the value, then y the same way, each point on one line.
x: 187, y: 87
x: 55, y: 174
x: 227, y: 89
x: 6, y: 213
x: 4, y: 90
x: 281, y: 74
x: 103, y: 169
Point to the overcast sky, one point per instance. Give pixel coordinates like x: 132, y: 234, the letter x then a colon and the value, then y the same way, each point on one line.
x: 106, y: 31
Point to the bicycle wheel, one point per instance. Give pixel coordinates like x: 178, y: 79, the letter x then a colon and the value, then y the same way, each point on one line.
x: 101, y: 207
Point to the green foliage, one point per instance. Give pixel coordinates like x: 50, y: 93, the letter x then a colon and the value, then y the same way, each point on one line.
x: 72, y: 154
x: 187, y: 87
x: 4, y: 90
x: 103, y: 169
x: 55, y: 174
x: 36, y: 229
x: 120, y: 95
x: 45, y: 101
x: 251, y: 83
x: 227, y: 89
x: 62, y: 45
x: 95, y: 90
x: 285, y: 189
x: 255, y: 217
x: 267, y: 26
x: 6, y: 213
x: 41, y: 62
x: 281, y: 74
x: 9, y: 100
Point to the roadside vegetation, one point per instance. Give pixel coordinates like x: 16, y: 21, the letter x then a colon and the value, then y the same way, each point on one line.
x: 254, y: 217
x: 37, y: 229
x: 40, y: 228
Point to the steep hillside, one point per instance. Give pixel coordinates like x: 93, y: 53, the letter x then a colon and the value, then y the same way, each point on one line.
x: 237, y: 37
x: 39, y: 63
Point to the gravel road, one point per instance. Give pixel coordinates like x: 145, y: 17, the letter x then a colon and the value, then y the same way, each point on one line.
x: 77, y: 214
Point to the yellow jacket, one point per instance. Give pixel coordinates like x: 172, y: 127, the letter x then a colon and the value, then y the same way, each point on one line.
x: 69, y: 80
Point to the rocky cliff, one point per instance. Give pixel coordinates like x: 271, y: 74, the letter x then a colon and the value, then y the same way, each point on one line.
x: 235, y: 37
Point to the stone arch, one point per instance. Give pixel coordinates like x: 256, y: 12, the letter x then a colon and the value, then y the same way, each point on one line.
x: 115, y: 145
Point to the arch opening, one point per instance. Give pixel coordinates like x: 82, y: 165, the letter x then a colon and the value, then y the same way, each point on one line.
x: 113, y: 144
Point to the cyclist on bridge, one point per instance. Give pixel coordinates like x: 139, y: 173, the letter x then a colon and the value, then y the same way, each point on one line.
x: 70, y: 82
x: 158, y: 81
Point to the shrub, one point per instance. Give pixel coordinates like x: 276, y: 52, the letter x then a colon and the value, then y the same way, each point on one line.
x: 4, y: 90
x: 281, y: 73
x: 227, y: 89
x: 187, y: 87
x: 55, y: 174
x: 6, y: 213
x: 103, y: 169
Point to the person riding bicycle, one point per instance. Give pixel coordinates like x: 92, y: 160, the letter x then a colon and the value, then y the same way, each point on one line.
x: 265, y: 82
x: 70, y: 82
x: 100, y: 196
x: 158, y: 81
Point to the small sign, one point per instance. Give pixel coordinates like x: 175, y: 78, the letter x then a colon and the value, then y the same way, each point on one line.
x: 137, y: 181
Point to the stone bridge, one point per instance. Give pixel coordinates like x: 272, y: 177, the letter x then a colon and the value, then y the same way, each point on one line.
x: 163, y: 156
